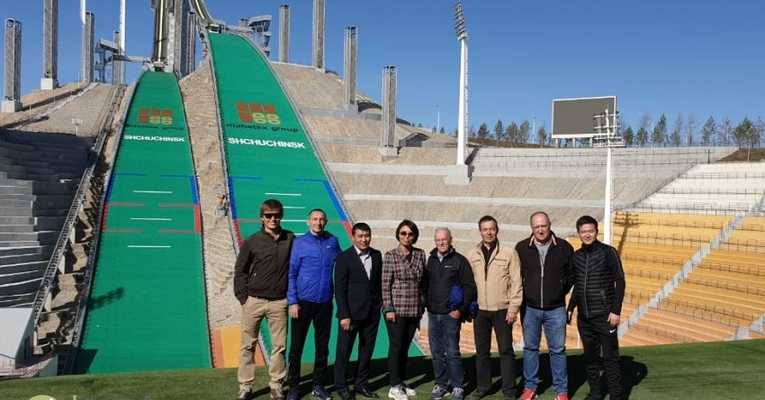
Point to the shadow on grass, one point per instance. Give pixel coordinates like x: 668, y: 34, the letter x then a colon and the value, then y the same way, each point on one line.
x: 420, y: 375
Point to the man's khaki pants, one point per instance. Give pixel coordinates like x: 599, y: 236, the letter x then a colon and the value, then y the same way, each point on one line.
x: 253, y: 312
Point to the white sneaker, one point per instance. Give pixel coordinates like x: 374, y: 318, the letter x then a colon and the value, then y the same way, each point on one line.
x: 408, y: 390
x: 245, y: 392
x: 397, y: 393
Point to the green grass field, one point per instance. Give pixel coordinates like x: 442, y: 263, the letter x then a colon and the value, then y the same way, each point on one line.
x: 731, y: 370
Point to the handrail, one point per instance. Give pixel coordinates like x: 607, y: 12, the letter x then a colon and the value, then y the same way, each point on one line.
x: 732, y: 286
x: 733, y: 268
x: 696, y: 208
x: 82, y: 300
x: 201, y: 222
x: 716, y: 191
x: 74, y: 209
x: 729, y: 314
x: 30, y: 118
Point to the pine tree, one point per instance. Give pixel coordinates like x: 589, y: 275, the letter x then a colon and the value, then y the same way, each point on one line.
x: 745, y: 134
x: 690, y: 130
x: 541, y: 136
x: 760, y: 127
x: 499, y: 131
x: 642, y: 133
x: 629, y: 136
x: 725, y: 132
x: 659, y: 133
x: 511, y: 133
x: 483, y: 131
x: 675, y: 137
x: 523, y: 132
x: 709, y: 132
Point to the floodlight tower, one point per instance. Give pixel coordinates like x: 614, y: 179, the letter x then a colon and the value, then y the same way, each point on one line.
x: 462, y: 118
x: 608, y: 122
x: 120, y: 66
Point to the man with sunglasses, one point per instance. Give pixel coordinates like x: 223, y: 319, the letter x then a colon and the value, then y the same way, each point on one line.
x: 260, y: 285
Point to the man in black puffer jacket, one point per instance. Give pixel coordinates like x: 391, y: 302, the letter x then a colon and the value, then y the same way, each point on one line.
x: 599, y: 292
x: 449, y: 290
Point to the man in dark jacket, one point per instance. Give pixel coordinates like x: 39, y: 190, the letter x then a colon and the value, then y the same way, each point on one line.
x: 546, y: 274
x: 309, y: 295
x: 260, y: 285
x: 450, y: 288
x: 599, y: 292
x: 358, y: 294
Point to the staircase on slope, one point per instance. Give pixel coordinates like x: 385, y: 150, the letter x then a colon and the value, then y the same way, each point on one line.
x: 38, y: 178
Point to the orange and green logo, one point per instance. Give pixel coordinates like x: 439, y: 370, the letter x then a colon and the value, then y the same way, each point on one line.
x: 257, y: 113
x: 155, y: 116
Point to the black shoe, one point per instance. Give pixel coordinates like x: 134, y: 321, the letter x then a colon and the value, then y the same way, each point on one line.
x: 364, y: 391
x: 345, y: 394
x: 319, y: 393
x: 293, y: 394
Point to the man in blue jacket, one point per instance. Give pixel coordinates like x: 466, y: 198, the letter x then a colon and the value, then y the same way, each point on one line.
x: 309, y: 296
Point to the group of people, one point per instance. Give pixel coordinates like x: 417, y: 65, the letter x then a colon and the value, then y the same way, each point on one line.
x: 279, y: 275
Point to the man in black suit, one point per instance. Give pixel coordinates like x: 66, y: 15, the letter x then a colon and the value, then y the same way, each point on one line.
x: 358, y: 293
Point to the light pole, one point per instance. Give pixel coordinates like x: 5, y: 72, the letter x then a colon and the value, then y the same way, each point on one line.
x: 608, y: 122
x: 462, y: 118
x: 438, y: 118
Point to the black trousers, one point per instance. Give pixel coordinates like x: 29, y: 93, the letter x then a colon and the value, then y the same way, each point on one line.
x: 366, y: 330
x: 482, y: 327
x: 400, y: 335
x: 320, y: 314
x: 598, y: 337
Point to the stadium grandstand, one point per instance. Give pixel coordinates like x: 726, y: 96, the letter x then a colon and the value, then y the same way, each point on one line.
x: 124, y: 206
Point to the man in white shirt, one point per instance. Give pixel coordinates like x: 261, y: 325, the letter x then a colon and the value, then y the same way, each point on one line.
x: 358, y: 294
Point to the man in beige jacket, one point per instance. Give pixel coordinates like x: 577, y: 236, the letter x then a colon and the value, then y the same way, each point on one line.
x: 497, y: 271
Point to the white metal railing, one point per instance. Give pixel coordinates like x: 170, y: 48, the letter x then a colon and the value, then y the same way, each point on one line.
x: 81, y: 303
x: 104, y: 123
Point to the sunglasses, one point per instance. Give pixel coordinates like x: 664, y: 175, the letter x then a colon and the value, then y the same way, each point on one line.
x: 272, y: 216
x: 406, y: 233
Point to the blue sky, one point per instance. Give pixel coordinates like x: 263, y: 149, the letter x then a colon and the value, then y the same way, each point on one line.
x: 691, y: 57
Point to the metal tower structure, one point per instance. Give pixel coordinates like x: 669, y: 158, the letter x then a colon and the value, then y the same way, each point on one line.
x: 350, y: 55
x: 284, y: 33
x: 319, y: 18
x: 462, y: 118
x: 49, y: 79
x: 88, y: 42
x: 12, y: 79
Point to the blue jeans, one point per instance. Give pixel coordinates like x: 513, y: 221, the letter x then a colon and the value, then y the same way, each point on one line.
x: 444, y: 340
x: 554, y: 323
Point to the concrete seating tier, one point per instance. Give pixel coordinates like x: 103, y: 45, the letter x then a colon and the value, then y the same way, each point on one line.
x: 727, y: 305
x: 750, y: 237
x: 86, y: 107
x: 747, y: 263
x: 711, y: 188
x: 664, y: 327
x: 38, y: 177
x: 38, y: 102
x: 348, y: 153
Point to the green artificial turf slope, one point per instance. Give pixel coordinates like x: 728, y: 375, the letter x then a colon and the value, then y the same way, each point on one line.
x: 269, y: 155
x: 147, y: 305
